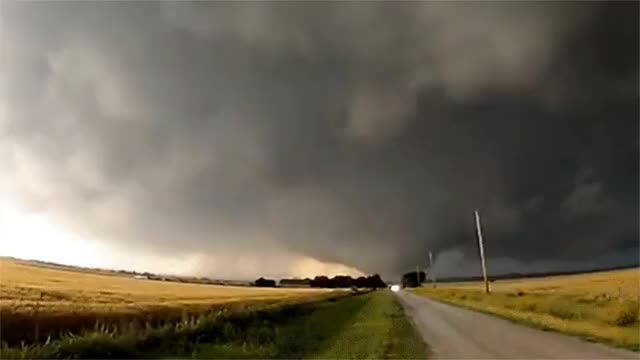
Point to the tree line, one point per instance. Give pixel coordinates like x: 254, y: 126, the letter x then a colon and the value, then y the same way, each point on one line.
x: 339, y: 281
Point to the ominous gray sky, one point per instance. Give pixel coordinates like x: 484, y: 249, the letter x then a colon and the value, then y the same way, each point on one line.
x: 355, y: 133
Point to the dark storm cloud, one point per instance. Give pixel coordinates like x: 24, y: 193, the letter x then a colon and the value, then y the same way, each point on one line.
x: 358, y: 133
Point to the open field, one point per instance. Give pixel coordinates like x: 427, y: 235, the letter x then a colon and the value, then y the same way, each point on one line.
x: 601, y: 307
x: 37, y: 301
x: 126, y: 273
x: 365, y: 326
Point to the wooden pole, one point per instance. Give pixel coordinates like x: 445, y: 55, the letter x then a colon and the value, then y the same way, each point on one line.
x: 481, y: 246
x: 433, y: 275
x: 418, y: 274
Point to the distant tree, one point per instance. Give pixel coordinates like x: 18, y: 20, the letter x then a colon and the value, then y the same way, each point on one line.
x: 343, y: 281
x: 262, y: 282
x: 320, y: 282
x: 295, y: 282
x: 410, y: 279
x: 375, y: 282
x: 361, y: 282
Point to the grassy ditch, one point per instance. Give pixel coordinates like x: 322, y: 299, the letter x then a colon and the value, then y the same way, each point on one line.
x: 596, y: 318
x: 379, y: 330
x: 361, y: 326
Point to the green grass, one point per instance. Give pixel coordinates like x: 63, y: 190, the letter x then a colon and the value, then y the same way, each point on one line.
x: 379, y: 330
x: 371, y: 325
x: 404, y: 342
x: 295, y: 337
x: 614, y: 321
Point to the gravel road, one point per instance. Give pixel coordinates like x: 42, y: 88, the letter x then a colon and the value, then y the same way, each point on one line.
x: 456, y: 333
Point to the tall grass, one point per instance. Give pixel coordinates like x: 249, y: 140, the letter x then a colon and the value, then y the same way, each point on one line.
x: 241, y: 328
x: 17, y: 327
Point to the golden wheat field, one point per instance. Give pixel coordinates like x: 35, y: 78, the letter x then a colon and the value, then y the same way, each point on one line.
x: 24, y: 286
x: 53, y: 299
x: 621, y: 284
x: 602, y: 306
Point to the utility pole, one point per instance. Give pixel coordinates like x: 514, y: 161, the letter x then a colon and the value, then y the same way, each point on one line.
x: 418, y: 275
x: 433, y: 275
x: 481, y: 246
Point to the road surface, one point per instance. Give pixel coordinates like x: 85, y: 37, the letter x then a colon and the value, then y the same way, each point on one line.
x: 457, y: 333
